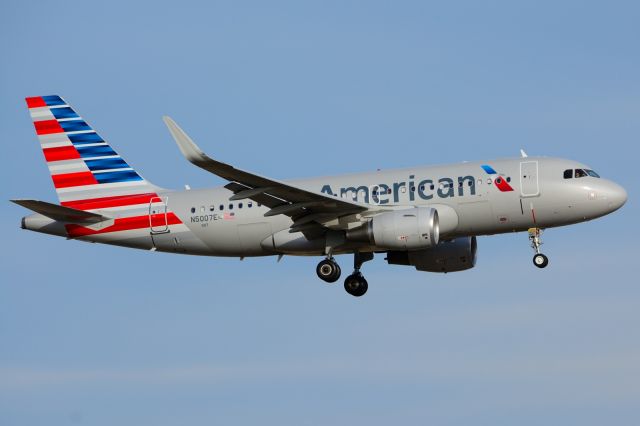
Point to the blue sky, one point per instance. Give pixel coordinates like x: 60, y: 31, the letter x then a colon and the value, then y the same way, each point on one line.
x: 99, y: 335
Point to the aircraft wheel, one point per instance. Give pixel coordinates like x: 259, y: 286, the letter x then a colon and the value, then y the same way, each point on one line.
x: 540, y: 260
x: 328, y: 270
x: 356, y: 285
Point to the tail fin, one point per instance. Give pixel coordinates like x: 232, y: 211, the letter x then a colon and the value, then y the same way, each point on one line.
x: 83, y: 166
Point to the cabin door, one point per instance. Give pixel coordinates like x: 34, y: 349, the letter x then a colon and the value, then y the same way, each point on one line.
x: 529, y: 186
x: 158, y: 223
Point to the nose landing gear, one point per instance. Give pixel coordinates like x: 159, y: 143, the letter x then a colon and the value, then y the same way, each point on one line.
x: 539, y: 259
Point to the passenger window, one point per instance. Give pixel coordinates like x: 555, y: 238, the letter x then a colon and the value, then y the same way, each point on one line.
x: 221, y: 207
x: 580, y: 173
x: 211, y: 208
x: 508, y: 178
x: 193, y: 209
x: 239, y: 205
x: 568, y: 174
x: 249, y: 205
x: 230, y: 206
x: 201, y: 209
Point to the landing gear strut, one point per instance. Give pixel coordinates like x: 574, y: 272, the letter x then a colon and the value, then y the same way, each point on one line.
x: 328, y: 270
x: 539, y: 259
x: 355, y: 284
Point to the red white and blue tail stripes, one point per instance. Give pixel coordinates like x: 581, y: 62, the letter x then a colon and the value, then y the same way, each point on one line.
x: 81, y: 163
x: 89, y: 175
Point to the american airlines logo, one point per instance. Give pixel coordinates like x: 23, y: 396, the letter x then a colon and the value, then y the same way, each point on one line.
x: 425, y: 189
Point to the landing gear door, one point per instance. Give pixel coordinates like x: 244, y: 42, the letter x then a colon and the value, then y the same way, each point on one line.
x: 158, y: 215
x: 529, y: 186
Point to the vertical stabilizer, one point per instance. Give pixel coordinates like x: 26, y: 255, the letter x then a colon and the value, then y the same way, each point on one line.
x: 84, y: 168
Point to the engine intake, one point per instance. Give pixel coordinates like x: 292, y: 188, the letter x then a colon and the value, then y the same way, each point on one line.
x: 410, y: 229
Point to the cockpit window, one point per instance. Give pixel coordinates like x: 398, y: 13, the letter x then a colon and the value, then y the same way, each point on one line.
x: 580, y: 173
x: 592, y: 173
x: 568, y: 174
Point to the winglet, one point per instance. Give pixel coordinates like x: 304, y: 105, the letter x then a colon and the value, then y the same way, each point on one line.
x: 523, y: 154
x: 189, y: 149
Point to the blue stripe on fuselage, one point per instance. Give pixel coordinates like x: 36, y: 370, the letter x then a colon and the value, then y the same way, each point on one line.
x: 489, y: 169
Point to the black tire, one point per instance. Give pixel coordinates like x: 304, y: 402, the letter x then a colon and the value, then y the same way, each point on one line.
x: 337, y: 274
x: 364, y: 286
x: 540, y: 260
x: 328, y: 271
x: 356, y: 285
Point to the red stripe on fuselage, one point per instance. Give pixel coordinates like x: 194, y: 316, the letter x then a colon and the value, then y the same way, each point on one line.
x: 46, y: 127
x: 35, y: 102
x: 73, y: 179
x: 106, y: 202
x: 60, y: 153
x: 120, y: 224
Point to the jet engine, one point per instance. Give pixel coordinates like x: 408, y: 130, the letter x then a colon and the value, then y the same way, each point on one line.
x: 410, y: 229
x: 448, y: 256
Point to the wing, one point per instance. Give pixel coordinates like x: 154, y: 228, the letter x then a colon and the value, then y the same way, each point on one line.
x: 302, y: 205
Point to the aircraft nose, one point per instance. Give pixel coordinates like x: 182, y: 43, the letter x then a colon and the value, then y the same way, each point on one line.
x: 616, y: 196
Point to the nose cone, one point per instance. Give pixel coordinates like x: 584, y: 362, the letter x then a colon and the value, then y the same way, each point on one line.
x: 616, y: 196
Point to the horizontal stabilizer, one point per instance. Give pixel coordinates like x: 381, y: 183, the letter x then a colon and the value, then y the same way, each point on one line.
x: 60, y: 213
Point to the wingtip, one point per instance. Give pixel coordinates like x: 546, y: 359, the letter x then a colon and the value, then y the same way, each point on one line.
x: 186, y: 145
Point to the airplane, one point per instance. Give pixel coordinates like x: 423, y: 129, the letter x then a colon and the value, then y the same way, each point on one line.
x: 428, y: 217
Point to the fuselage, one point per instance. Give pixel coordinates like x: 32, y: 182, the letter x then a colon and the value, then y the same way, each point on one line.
x: 472, y: 198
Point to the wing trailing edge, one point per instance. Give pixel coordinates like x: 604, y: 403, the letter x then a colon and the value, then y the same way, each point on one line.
x: 282, y: 197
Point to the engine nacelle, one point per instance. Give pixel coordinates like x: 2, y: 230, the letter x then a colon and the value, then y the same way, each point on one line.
x: 410, y: 229
x: 448, y: 256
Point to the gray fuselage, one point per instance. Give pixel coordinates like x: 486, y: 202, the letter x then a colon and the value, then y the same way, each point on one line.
x: 466, y: 195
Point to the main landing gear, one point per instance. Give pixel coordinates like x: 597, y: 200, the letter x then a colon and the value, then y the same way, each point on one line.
x: 539, y: 259
x: 328, y: 270
x: 355, y: 284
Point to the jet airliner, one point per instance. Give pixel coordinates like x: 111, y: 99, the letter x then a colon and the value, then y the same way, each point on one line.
x: 427, y: 217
